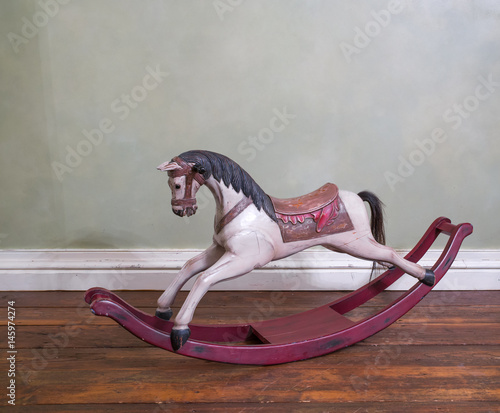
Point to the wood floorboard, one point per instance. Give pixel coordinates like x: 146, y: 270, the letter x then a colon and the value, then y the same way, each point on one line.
x: 444, y: 355
x: 374, y: 407
x: 420, y: 314
x: 331, y: 383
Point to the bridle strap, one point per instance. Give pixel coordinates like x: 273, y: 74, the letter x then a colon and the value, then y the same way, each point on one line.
x: 190, y: 174
x: 189, y: 202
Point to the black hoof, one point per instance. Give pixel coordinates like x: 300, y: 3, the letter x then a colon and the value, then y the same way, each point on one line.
x: 429, y: 278
x: 179, y: 337
x: 165, y: 314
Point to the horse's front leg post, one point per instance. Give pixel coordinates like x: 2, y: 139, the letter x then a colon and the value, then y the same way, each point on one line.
x: 229, y: 266
x: 192, y: 267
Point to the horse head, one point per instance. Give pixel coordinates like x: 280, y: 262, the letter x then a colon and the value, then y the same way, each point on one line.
x: 184, y: 180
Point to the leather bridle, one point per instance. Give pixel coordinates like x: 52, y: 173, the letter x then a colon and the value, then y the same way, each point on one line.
x: 191, y: 174
x: 188, y: 203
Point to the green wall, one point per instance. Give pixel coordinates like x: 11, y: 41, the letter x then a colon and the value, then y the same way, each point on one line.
x: 402, y: 98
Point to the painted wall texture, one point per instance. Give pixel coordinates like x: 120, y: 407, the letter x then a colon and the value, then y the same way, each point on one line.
x: 398, y: 97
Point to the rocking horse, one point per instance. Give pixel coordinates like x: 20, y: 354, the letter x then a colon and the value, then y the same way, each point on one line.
x: 252, y: 229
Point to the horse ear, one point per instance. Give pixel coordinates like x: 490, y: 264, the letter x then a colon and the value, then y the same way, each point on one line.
x: 168, y: 166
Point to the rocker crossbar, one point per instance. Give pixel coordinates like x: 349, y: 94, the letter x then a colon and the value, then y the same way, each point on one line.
x: 297, y: 337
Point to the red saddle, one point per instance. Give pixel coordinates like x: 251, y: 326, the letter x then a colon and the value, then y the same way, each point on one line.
x: 323, y: 206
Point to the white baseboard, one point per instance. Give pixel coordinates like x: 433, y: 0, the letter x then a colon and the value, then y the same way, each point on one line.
x: 314, y: 269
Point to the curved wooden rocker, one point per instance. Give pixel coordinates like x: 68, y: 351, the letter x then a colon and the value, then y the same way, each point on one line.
x: 301, y: 336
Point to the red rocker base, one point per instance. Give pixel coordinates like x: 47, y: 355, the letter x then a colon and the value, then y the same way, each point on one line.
x: 301, y: 336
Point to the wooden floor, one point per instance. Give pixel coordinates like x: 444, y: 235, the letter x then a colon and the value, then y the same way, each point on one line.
x: 442, y: 356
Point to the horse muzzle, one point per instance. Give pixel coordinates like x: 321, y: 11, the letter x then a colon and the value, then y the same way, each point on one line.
x: 187, y: 211
x: 184, y: 207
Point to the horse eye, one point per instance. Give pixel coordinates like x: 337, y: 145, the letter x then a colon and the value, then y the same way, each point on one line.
x: 177, y: 186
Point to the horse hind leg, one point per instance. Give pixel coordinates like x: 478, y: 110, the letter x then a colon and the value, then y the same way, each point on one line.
x: 368, y: 249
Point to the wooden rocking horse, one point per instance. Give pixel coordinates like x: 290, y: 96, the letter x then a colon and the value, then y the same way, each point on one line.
x: 253, y: 229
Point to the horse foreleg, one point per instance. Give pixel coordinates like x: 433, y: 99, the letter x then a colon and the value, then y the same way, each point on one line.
x: 192, y: 267
x: 229, y: 266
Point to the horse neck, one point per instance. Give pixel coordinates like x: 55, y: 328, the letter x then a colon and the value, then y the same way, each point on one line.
x: 225, y: 198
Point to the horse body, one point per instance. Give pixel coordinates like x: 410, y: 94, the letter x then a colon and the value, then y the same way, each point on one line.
x: 247, y: 235
x: 258, y: 223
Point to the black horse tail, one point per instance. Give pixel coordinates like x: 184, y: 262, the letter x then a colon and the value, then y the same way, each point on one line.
x: 377, y: 219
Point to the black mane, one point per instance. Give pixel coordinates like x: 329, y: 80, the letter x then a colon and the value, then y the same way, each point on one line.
x: 230, y: 173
